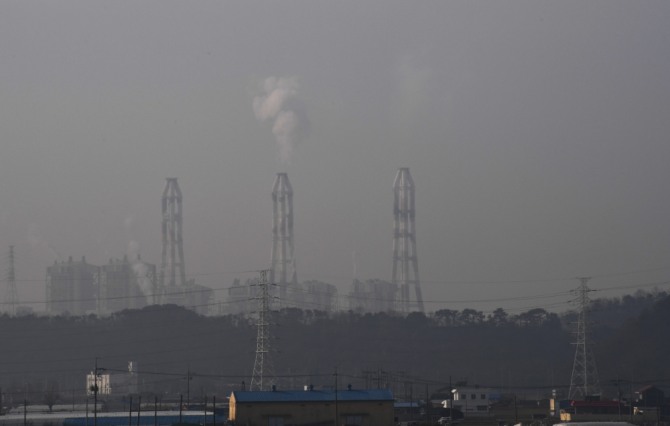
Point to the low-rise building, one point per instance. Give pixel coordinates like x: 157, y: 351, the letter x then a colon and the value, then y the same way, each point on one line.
x: 471, y: 401
x: 351, y: 407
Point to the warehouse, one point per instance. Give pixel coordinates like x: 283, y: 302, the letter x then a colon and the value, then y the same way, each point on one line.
x: 350, y: 407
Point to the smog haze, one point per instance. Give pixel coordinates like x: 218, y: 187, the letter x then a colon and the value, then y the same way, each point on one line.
x: 536, y: 132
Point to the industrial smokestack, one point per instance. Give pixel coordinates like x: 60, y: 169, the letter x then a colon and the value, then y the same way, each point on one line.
x: 405, y: 259
x: 283, y: 271
x: 172, y: 272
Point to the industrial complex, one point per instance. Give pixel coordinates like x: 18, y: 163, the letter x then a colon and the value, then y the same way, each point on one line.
x: 78, y: 287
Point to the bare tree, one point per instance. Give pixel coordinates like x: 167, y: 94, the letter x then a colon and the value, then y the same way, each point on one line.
x: 51, y: 394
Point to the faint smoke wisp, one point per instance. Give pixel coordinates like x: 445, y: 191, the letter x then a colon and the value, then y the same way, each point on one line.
x: 36, y: 241
x: 279, y: 105
x: 133, y: 249
x: 143, y: 278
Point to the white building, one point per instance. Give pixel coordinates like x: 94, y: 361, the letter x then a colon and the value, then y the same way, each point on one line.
x: 121, y: 383
x: 471, y: 401
x: 104, y: 387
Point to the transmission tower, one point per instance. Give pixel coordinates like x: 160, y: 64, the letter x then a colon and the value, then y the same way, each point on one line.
x: 584, y: 381
x: 263, y: 362
x: 283, y: 271
x: 172, y: 274
x: 405, y: 260
x: 12, y: 297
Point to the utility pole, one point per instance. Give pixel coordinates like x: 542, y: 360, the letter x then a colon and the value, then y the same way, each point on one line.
x: 188, y: 388
x: 584, y: 380
x: 95, y: 394
x: 263, y: 361
x: 337, y: 414
x: 139, y: 409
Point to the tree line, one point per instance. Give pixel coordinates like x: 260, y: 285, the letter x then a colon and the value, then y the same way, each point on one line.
x: 178, y: 352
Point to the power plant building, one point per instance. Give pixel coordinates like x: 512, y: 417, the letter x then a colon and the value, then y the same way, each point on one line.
x: 317, y: 296
x: 71, y: 288
x: 241, y: 298
x: 125, y: 285
x: 373, y: 296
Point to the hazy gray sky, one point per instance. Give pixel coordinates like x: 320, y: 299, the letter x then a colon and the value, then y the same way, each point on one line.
x: 537, y: 133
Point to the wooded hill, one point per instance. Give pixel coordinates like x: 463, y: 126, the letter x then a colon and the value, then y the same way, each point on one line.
x: 412, y: 354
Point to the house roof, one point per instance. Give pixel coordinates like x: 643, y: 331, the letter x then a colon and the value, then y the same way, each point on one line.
x: 312, y: 396
x: 647, y: 388
x: 413, y: 404
x: 602, y: 403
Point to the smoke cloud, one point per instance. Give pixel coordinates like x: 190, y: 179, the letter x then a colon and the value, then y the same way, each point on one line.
x: 279, y: 105
x: 144, y: 280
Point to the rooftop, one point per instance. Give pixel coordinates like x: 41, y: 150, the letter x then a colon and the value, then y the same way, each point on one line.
x: 313, y: 395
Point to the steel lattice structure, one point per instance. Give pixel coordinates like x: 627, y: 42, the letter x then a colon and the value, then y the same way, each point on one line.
x: 172, y: 273
x: 263, y: 361
x: 12, y: 297
x: 405, y: 259
x: 584, y: 381
x: 283, y: 270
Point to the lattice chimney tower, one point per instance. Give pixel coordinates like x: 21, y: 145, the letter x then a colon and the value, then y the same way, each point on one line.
x: 172, y: 274
x: 283, y: 271
x: 12, y: 295
x: 584, y: 381
x: 405, y: 260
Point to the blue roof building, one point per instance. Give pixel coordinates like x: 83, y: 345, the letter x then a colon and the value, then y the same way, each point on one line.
x: 351, y: 407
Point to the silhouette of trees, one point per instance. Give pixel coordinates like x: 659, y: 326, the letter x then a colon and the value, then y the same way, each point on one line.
x: 498, y: 318
x: 464, y: 344
x: 446, y: 317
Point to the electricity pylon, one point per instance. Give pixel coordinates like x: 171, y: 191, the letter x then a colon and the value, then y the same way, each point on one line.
x: 263, y: 362
x: 584, y: 381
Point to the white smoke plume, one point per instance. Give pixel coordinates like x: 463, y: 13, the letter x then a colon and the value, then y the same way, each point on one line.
x: 280, y: 106
x: 144, y: 279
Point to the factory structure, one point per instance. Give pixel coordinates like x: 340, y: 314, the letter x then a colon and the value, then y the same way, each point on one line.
x: 405, y: 259
x: 125, y: 285
x: 286, y: 291
x: 403, y: 292
x: 80, y: 288
x: 282, y: 270
x: 71, y: 287
x: 173, y: 287
x: 77, y: 287
x: 373, y: 295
